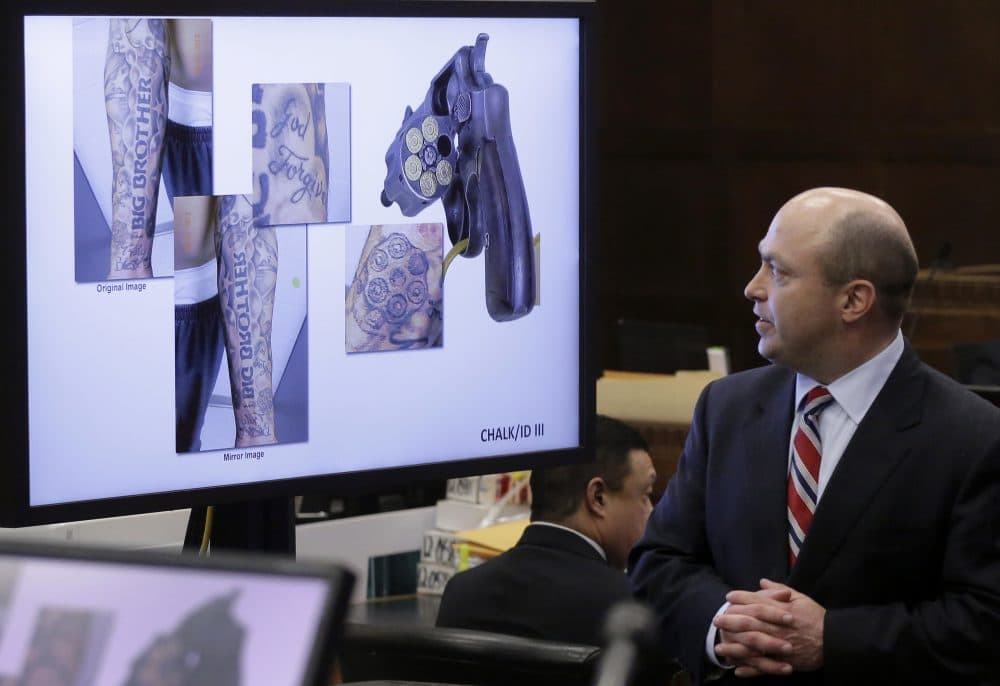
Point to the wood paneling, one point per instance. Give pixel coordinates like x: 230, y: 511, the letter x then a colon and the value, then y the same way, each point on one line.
x: 714, y: 113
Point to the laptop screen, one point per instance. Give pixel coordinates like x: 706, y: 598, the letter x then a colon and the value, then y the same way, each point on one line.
x: 75, y: 618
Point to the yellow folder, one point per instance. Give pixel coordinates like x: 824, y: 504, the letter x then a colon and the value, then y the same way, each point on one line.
x: 495, y: 539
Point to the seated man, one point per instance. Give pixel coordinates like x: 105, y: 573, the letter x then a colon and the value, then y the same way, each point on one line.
x: 564, y: 574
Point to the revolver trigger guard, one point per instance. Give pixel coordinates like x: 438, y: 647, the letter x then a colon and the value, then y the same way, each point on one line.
x: 476, y: 230
x: 456, y: 213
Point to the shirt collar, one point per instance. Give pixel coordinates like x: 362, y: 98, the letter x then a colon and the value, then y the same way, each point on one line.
x: 588, y: 539
x: 856, y: 390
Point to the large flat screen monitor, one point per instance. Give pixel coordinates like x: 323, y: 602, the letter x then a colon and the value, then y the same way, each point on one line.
x: 338, y: 247
x: 79, y: 616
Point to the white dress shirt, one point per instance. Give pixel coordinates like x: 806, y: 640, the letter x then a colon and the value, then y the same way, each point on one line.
x: 853, y: 395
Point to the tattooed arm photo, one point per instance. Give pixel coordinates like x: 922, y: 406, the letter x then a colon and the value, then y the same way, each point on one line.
x: 136, y: 71
x: 248, y: 273
x: 291, y: 169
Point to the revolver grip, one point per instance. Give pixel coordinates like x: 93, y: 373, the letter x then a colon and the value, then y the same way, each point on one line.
x: 503, y: 213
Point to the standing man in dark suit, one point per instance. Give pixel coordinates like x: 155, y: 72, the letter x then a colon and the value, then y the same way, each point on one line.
x: 567, y: 570
x: 835, y: 517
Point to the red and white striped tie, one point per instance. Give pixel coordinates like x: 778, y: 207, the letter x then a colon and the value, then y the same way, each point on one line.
x: 803, y: 477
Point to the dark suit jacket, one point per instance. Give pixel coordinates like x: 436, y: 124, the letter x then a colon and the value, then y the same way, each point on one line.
x: 903, y: 550
x: 552, y: 585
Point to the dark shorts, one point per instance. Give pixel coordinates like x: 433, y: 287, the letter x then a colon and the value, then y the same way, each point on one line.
x: 198, y: 347
x: 187, y: 160
x: 198, y: 337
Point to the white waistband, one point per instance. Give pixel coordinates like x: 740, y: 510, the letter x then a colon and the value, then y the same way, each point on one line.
x: 190, y: 108
x: 196, y: 284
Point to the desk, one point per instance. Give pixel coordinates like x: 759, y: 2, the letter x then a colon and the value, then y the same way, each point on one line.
x: 407, y: 610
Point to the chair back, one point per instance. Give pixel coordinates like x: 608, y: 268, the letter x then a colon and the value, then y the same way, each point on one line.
x: 387, y: 652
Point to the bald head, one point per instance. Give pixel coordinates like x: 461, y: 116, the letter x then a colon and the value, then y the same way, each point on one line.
x: 862, y: 237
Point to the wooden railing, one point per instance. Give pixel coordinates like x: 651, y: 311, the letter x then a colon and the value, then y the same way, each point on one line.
x: 952, y: 307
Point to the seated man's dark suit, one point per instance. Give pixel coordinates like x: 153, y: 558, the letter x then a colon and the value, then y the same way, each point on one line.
x: 552, y: 585
x: 904, y: 547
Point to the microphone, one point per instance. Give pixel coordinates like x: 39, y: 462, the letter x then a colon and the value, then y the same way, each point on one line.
x: 629, y: 631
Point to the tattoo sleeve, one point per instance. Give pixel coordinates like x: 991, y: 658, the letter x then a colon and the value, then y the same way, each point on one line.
x: 291, y: 166
x: 248, y: 274
x: 136, y: 70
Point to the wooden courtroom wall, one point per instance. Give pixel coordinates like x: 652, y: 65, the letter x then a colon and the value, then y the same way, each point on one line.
x: 713, y: 113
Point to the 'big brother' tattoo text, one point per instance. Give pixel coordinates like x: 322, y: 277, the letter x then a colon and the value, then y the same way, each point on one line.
x: 135, y: 76
x: 248, y: 270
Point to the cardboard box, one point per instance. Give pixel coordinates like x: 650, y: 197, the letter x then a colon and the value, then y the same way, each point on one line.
x: 455, y: 515
x: 465, y: 489
x: 439, y: 547
x: 432, y: 578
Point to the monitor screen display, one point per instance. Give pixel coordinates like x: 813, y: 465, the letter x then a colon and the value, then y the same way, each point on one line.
x: 277, y: 249
x: 96, y: 618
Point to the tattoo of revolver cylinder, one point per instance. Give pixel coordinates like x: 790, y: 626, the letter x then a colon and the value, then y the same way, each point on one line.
x: 457, y: 147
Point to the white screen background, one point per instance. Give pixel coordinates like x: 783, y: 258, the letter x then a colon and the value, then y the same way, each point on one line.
x: 100, y: 367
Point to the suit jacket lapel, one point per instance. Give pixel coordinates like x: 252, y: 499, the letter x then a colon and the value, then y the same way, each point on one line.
x: 766, y: 435
x: 871, y: 456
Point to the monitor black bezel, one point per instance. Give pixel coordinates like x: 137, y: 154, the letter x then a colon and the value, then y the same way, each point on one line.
x: 15, y: 509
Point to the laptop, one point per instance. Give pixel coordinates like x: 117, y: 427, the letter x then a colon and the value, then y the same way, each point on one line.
x: 71, y: 616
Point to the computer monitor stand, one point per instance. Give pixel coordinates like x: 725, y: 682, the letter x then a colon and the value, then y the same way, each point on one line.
x: 258, y: 526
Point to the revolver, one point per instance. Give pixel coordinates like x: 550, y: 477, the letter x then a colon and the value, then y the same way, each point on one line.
x: 458, y: 146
